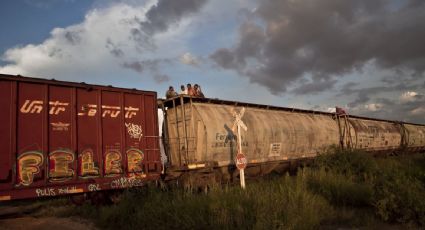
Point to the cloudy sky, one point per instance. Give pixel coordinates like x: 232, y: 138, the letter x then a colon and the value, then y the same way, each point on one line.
x: 366, y: 56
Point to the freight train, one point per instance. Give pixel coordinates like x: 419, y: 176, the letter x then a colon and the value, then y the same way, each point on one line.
x: 63, y: 138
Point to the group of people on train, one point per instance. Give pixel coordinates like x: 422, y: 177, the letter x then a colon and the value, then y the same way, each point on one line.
x: 194, y: 91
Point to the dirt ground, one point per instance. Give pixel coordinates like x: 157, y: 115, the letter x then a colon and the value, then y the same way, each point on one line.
x: 33, y: 217
x: 40, y: 223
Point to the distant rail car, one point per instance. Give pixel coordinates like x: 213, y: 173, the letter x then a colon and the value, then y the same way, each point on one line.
x: 63, y: 138
x: 201, y: 145
x: 60, y: 138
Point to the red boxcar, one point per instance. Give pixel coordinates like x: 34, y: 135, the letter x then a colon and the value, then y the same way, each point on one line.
x: 61, y: 138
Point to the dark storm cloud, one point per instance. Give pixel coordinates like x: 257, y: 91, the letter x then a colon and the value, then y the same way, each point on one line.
x: 160, y: 17
x: 168, y: 12
x: 151, y: 66
x: 326, y: 39
x: 412, y: 111
x: 113, y: 48
x: 141, y: 66
x: 160, y: 78
x: 314, y: 87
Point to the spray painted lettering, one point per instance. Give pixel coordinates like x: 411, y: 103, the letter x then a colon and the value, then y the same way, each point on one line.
x: 135, y: 131
x: 113, y: 162
x: 134, y: 160
x: 125, y: 182
x: 41, y: 192
x: 93, y: 187
x: 59, y: 162
x: 29, y: 164
x: 87, y: 165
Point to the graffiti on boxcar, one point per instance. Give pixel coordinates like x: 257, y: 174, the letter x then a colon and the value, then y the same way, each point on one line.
x: 125, y: 182
x: 34, y: 106
x: 134, y: 160
x: 130, y: 111
x: 29, y: 164
x: 135, y: 131
x: 113, y: 162
x: 59, y: 162
x: 45, y: 192
x: 40, y: 192
x: 87, y: 165
x: 94, y: 187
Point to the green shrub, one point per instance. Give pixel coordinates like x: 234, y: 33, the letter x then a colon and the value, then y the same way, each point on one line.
x: 340, y: 189
x: 282, y: 203
x: 399, y: 195
x: 348, y: 162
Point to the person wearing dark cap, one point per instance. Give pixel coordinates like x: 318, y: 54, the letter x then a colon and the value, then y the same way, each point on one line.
x: 170, y: 92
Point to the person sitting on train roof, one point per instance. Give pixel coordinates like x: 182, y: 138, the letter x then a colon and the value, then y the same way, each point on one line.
x: 190, y: 90
x: 183, y: 90
x: 170, y: 92
x: 198, y: 91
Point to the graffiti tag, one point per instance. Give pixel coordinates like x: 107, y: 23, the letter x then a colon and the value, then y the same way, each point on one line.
x: 113, y: 162
x: 93, y: 187
x: 125, y: 182
x: 40, y: 192
x: 135, y: 131
x: 87, y: 165
x: 28, y: 165
x: 59, y: 162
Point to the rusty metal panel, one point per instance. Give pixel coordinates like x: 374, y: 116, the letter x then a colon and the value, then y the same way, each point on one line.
x: 375, y: 135
x: 73, y: 138
x: 7, y: 132
x: 62, y: 163
x: 135, y: 145
x: 89, y: 131
x: 112, y: 133
x: 272, y: 134
x: 32, y: 144
x: 415, y: 135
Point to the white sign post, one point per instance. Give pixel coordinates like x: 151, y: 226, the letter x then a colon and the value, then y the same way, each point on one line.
x: 240, y: 158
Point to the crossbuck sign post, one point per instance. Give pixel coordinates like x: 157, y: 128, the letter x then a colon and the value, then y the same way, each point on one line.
x: 240, y: 158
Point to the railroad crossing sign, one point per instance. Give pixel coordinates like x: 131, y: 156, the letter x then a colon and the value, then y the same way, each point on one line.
x: 240, y: 159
